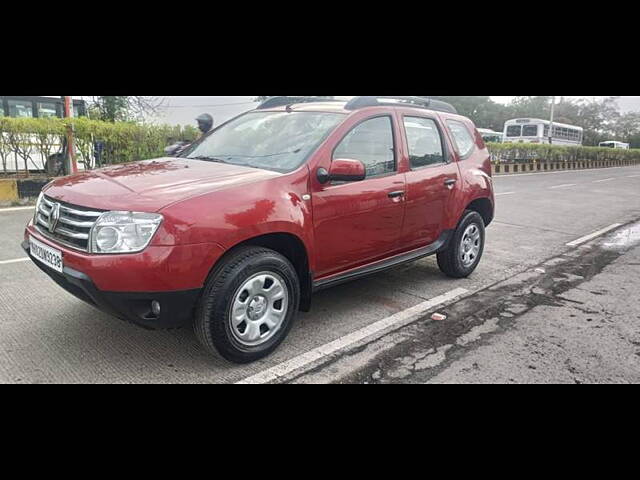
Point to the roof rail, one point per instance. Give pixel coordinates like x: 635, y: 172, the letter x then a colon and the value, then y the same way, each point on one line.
x: 419, y: 102
x: 273, y: 102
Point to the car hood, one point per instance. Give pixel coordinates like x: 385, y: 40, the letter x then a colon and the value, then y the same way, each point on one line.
x: 151, y: 185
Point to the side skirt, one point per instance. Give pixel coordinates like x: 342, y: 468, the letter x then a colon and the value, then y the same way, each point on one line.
x: 385, y: 264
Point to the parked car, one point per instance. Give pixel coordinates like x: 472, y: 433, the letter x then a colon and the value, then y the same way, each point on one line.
x: 238, y: 232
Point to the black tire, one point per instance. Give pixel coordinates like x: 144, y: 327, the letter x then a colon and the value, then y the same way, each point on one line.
x: 450, y: 260
x: 212, y: 322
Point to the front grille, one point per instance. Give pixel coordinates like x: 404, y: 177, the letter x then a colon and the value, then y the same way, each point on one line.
x: 74, y: 223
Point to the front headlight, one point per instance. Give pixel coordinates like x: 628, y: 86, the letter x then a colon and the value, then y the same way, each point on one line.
x: 123, y: 232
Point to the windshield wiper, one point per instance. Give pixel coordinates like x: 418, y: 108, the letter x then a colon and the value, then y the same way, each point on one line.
x: 208, y: 159
x: 263, y: 156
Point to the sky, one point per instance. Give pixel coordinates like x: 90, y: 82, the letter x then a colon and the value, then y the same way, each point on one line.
x: 184, y: 110
x: 508, y: 99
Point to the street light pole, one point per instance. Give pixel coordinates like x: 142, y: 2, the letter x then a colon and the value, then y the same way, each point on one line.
x: 553, y: 106
x: 70, y: 161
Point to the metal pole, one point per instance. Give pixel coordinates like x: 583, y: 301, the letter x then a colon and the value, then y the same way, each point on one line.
x: 70, y: 161
x: 553, y: 106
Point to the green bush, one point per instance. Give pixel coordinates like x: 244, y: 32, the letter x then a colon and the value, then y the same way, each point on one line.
x: 32, y: 140
x: 527, y: 152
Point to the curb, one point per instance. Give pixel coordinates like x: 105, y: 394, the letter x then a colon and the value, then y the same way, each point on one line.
x: 16, y: 190
x: 8, y: 191
x: 539, y: 167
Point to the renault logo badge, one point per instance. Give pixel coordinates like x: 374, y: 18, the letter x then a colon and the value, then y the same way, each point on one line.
x: 54, y: 216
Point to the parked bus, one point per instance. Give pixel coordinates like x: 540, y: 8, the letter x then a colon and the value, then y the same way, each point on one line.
x: 38, y: 107
x: 534, y: 130
x: 490, y: 135
x: 614, y: 144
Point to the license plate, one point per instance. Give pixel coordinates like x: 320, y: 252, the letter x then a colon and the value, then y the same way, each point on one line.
x: 45, y: 254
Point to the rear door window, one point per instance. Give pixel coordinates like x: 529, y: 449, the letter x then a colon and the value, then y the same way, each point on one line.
x: 424, y: 142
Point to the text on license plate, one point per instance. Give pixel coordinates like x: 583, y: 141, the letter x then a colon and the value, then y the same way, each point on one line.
x: 45, y: 254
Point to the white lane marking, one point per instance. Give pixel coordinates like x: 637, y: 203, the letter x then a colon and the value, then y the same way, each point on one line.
x: 586, y: 238
x: 604, y: 180
x: 15, y: 209
x: 505, y: 193
x: 317, y: 356
x: 564, y: 185
x: 16, y: 260
x: 633, y: 176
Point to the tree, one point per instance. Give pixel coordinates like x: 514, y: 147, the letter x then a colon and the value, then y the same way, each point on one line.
x: 484, y: 112
x: 112, y: 109
x: 627, y: 126
x: 597, y: 117
x: 535, y: 107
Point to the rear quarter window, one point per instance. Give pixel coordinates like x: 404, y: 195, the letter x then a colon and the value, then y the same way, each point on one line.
x: 462, y: 137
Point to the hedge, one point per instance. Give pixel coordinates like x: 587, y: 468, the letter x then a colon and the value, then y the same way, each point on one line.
x: 32, y: 140
x: 527, y: 152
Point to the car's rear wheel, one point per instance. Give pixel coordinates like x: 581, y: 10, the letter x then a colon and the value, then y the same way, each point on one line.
x: 465, y: 248
x: 248, y: 305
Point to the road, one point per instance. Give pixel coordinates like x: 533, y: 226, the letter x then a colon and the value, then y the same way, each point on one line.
x: 47, y: 336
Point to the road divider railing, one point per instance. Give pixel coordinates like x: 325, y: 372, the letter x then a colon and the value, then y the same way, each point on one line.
x: 509, y: 158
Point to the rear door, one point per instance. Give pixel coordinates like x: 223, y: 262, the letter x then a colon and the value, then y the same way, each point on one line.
x: 432, y: 179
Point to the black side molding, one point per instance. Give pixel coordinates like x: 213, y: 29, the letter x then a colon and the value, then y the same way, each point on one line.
x: 438, y: 245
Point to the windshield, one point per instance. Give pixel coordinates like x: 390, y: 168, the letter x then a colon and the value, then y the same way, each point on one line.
x: 278, y: 141
x: 514, y: 131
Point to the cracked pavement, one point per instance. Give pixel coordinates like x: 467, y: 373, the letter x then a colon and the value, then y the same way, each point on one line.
x: 574, y: 319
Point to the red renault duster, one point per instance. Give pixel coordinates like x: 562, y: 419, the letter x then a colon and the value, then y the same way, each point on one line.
x: 238, y: 232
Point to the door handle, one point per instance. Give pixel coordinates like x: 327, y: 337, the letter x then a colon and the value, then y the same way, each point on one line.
x: 397, y: 194
x: 450, y: 183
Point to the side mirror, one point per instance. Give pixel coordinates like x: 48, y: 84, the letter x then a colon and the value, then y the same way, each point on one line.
x: 343, y: 170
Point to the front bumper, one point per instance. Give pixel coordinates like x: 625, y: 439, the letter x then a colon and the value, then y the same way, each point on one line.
x: 176, y: 307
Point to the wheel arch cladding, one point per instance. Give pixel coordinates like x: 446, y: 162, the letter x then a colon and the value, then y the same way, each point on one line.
x: 293, y: 249
x: 484, y: 207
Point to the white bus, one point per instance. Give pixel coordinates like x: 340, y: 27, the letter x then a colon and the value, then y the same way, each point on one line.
x: 614, y: 144
x: 534, y: 130
x: 490, y: 135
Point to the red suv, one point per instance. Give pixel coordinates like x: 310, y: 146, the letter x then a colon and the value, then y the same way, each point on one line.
x: 240, y: 230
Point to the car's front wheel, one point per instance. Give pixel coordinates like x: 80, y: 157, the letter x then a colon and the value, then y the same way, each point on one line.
x: 465, y: 248
x: 248, y: 305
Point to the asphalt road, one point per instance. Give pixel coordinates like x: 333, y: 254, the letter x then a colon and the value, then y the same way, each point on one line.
x: 573, y: 319
x: 47, y: 336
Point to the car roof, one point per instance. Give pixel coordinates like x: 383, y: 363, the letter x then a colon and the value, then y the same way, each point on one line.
x: 329, y: 107
x: 339, y: 107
